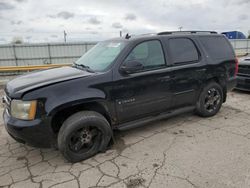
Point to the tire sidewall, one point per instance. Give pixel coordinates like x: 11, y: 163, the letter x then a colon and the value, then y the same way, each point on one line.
x: 76, y: 122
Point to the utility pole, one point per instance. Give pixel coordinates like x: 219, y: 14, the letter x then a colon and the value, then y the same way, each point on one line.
x: 120, y: 33
x: 65, y: 36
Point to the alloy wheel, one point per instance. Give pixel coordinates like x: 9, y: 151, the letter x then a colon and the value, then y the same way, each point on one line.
x: 84, y: 139
x: 212, y: 99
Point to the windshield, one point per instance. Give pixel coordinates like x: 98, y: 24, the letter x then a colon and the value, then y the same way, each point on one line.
x: 101, y: 55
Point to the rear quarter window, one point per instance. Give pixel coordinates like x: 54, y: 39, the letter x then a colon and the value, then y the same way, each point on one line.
x: 217, y: 47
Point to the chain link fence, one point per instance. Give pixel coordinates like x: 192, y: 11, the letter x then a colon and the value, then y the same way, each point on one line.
x: 241, y: 46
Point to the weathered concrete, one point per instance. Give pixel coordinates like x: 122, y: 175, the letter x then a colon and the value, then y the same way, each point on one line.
x: 184, y: 151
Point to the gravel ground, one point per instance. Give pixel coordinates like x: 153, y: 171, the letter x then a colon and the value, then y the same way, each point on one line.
x: 183, y: 151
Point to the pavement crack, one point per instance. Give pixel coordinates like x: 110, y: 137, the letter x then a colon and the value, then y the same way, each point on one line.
x: 163, y: 161
x: 185, y: 179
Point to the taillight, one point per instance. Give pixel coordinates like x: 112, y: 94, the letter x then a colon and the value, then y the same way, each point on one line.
x: 236, y: 67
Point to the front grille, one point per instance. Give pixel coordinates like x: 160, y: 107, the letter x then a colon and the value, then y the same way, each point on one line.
x: 244, y: 70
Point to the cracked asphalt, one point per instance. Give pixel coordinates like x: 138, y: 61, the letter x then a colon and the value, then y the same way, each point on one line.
x: 183, y: 151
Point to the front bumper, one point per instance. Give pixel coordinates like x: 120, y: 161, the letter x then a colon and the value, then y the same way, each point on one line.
x: 35, y: 133
x: 243, y: 83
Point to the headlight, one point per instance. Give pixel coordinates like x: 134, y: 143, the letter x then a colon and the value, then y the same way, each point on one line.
x: 25, y: 110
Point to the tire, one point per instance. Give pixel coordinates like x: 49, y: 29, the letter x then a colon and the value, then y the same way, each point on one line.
x: 83, y: 135
x: 207, y: 104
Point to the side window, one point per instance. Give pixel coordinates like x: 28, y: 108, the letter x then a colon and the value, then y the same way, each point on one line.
x: 149, y: 54
x: 183, y: 50
x: 217, y: 47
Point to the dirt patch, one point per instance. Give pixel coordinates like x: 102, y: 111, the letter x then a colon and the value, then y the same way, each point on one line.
x: 179, y: 132
x: 119, y: 144
x: 132, y: 183
x: 155, y: 165
x: 21, y: 158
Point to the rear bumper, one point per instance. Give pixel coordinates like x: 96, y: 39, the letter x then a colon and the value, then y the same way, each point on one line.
x: 231, y: 84
x: 35, y: 133
x: 243, y: 83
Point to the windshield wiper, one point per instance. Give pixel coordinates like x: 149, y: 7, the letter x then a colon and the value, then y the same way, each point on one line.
x: 83, y: 67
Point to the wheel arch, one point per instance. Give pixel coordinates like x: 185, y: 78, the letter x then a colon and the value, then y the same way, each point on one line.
x: 62, y: 113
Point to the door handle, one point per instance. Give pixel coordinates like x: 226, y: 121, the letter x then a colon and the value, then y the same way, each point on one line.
x: 201, y: 70
x: 165, y: 78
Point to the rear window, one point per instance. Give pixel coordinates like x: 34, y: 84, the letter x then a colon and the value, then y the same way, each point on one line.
x: 217, y: 47
x: 183, y: 50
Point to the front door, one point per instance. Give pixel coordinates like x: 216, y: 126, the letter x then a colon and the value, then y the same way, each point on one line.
x: 146, y: 92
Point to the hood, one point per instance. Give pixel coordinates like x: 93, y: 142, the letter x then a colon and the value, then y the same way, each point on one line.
x: 245, y: 61
x: 19, y: 85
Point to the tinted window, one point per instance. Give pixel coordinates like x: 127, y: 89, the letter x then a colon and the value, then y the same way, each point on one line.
x: 183, y: 50
x: 149, y: 54
x: 217, y: 47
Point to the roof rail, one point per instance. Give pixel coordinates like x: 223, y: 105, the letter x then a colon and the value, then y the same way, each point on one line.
x: 187, y: 32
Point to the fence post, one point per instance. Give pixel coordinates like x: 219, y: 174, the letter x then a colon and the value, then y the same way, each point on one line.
x: 86, y: 47
x: 248, y: 46
x: 50, y: 60
x: 14, y: 53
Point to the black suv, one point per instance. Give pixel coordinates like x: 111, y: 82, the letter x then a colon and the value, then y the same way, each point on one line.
x: 119, y: 84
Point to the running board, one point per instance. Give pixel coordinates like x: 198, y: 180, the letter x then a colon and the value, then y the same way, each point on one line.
x: 143, y: 121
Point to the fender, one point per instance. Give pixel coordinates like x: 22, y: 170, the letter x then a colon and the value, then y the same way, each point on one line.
x: 93, y: 104
x: 53, y: 105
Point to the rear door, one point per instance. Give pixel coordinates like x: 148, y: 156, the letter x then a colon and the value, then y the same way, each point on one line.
x: 188, y: 70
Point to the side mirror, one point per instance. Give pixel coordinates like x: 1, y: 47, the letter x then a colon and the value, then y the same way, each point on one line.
x: 131, y: 66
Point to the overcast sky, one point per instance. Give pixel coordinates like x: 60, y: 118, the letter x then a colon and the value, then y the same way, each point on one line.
x: 45, y: 20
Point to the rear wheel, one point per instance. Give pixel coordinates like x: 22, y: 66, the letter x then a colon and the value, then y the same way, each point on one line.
x: 210, y: 100
x: 83, y: 135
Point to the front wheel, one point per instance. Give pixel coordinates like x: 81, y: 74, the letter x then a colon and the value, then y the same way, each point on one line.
x: 83, y: 135
x: 210, y: 100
